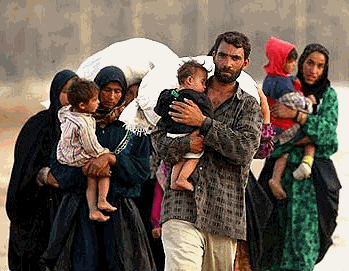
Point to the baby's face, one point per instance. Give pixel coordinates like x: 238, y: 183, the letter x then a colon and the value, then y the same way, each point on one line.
x: 290, y: 66
x: 198, y: 81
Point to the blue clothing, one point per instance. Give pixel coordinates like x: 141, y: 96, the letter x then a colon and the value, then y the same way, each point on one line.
x: 284, y: 90
x: 275, y: 87
x: 121, y: 242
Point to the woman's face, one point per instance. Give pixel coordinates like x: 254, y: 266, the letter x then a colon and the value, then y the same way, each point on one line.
x: 110, y: 95
x: 313, y: 67
x: 63, y: 96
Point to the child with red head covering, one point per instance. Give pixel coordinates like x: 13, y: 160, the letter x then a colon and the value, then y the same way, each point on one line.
x: 279, y: 86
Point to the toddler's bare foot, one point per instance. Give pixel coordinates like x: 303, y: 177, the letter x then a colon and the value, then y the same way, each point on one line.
x: 182, y: 185
x: 97, y: 215
x: 156, y: 233
x: 277, y: 189
x: 106, y: 206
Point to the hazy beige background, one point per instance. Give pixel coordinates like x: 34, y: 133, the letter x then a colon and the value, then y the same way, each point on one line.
x: 39, y: 38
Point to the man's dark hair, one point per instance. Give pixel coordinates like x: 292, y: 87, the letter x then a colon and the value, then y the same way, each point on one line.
x: 293, y: 55
x: 189, y: 68
x: 237, y: 39
x: 81, y: 91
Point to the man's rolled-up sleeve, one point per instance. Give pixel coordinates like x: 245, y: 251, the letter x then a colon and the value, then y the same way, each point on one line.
x: 171, y: 150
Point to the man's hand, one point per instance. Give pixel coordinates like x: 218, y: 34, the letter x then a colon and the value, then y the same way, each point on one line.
x: 279, y: 110
x: 196, y: 142
x: 187, y: 113
x: 99, y: 167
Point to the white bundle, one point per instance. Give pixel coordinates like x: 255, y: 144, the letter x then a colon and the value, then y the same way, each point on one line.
x: 135, y: 57
x: 139, y: 115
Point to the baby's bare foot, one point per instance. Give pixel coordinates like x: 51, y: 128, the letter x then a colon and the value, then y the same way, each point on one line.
x: 106, y: 206
x: 277, y: 189
x: 97, y: 215
x: 182, y: 185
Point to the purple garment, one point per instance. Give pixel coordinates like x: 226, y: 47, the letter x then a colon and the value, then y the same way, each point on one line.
x: 266, y: 146
x: 156, y: 208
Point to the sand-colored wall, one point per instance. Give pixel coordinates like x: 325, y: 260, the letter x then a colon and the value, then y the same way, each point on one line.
x: 37, y: 38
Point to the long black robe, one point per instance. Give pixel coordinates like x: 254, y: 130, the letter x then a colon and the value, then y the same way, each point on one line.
x: 121, y: 243
x: 31, y: 209
x: 259, y: 208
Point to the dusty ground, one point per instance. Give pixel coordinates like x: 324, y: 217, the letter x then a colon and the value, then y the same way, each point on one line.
x: 12, y: 116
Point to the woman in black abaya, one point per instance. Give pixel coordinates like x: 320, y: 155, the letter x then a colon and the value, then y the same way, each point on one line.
x: 32, y: 196
x: 121, y: 243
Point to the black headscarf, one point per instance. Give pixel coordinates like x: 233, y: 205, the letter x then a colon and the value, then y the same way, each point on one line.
x: 106, y: 75
x: 112, y: 74
x: 58, y: 82
x: 321, y: 85
x: 33, y: 149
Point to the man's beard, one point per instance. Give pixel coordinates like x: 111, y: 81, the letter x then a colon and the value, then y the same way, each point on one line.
x: 224, y: 78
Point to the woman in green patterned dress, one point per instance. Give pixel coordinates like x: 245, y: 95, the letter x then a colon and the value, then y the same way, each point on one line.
x: 299, y: 232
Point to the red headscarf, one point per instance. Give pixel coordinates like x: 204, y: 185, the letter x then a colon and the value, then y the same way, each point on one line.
x: 277, y: 52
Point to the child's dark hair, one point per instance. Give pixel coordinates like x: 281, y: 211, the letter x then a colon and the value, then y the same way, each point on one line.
x: 81, y: 91
x: 189, y: 68
x: 293, y: 55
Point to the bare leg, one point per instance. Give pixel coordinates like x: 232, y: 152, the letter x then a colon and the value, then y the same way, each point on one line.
x: 103, y: 189
x: 304, y: 169
x: 309, y: 150
x: 91, y: 195
x: 275, y: 181
x: 176, y: 169
x: 187, y: 169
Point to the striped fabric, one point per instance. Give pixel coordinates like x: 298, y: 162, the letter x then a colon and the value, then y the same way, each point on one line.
x: 297, y: 101
x: 78, y: 142
x: 231, y: 137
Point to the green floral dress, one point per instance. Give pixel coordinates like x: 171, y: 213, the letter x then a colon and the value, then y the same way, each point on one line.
x: 298, y: 215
